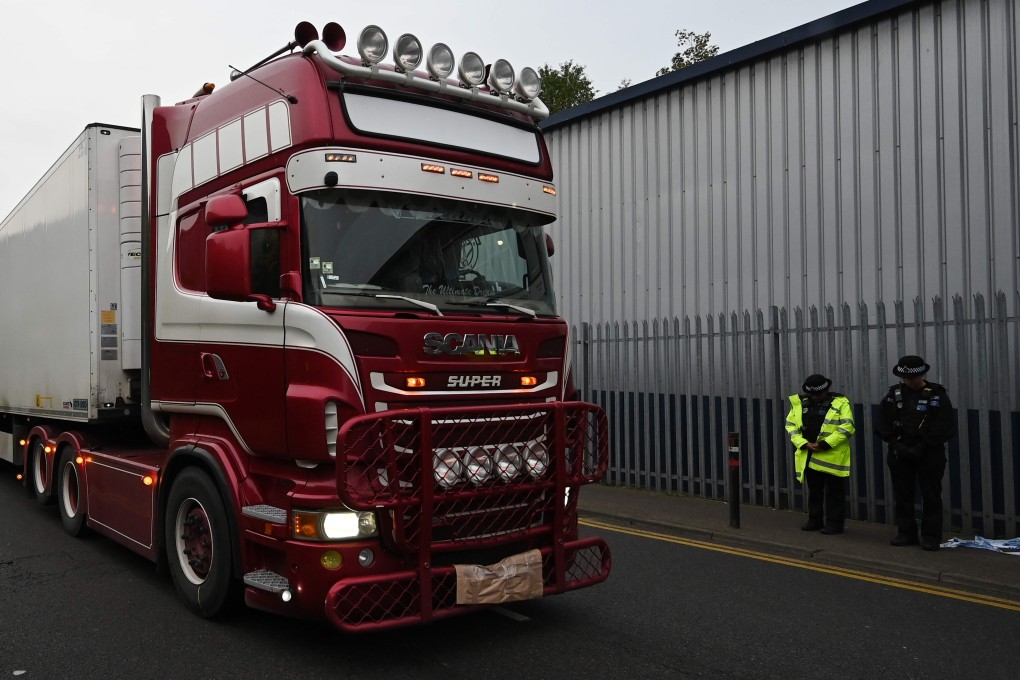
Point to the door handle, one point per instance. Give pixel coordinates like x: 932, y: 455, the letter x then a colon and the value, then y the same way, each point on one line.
x: 212, y: 367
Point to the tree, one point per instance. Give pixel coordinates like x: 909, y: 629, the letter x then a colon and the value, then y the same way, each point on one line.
x: 566, y: 86
x: 697, y: 48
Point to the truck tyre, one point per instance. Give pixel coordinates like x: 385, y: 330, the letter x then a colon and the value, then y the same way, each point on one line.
x: 39, y: 475
x: 197, y: 539
x: 70, y: 501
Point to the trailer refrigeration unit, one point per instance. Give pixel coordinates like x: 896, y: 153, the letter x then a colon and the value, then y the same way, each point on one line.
x: 298, y: 337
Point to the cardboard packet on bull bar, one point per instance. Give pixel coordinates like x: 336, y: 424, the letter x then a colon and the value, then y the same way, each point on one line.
x: 518, y: 577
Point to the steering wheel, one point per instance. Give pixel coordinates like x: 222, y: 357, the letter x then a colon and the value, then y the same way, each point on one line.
x: 473, y: 273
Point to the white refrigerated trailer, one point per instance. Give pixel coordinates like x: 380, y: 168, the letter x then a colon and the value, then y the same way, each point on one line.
x: 70, y: 256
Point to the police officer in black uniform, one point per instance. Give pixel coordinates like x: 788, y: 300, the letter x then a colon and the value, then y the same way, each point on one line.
x: 916, y: 419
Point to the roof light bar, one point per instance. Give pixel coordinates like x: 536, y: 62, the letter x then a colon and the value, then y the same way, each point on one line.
x: 515, y: 94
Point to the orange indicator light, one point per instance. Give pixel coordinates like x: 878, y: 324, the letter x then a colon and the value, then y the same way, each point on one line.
x: 79, y: 460
x: 488, y: 178
x: 22, y: 442
x: 48, y: 449
x: 20, y: 476
x: 416, y: 382
x: 428, y: 167
x: 461, y: 173
x: 148, y: 480
x: 549, y: 190
x: 528, y: 381
x: 341, y: 158
x: 306, y: 525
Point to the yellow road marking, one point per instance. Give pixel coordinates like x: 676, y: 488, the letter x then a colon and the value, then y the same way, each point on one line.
x: 941, y: 591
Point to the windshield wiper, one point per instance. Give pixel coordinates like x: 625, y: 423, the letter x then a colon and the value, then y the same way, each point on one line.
x: 414, y: 301
x: 494, y: 302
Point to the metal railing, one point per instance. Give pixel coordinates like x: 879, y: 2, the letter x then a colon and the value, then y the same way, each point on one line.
x: 672, y: 389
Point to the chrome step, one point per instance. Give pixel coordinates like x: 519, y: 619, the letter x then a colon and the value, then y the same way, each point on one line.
x: 266, y: 513
x: 266, y: 580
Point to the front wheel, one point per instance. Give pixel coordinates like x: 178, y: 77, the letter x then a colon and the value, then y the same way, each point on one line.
x: 70, y: 501
x: 197, y: 539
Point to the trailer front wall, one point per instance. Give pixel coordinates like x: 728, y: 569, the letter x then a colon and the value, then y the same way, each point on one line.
x: 60, y: 283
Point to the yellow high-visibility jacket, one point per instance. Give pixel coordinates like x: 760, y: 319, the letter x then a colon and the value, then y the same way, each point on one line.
x: 836, y: 431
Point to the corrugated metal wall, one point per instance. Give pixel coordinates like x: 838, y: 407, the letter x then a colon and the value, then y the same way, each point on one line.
x: 876, y: 164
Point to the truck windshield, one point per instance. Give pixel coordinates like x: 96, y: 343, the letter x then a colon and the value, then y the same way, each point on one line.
x: 384, y: 250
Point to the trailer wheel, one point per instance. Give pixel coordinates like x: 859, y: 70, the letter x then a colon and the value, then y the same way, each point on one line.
x: 70, y: 502
x: 197, y: 540
x: 40, y: 474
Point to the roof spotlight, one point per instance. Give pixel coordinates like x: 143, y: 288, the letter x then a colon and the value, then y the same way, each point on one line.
x: 440, y: 61
x: 501, y: 76
x: 529, y: 85
x: 372, y: 44
x: 471, y: 69
x: 407, y: 52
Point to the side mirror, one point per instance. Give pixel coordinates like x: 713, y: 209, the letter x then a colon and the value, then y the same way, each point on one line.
x: 228, y: 264
x: 225, y: 211
x: 550, y: 248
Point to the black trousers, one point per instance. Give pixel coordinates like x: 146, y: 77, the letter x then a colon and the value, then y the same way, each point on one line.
x: 907, y: 476
x: 826, y: 499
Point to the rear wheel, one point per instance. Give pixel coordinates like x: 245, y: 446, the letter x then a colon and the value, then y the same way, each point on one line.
x: 197, y: 539
x: 39, y: 473
x: 70, y: 500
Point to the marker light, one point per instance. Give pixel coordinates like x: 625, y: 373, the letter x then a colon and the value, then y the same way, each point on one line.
x: 79, y: 460
x: 372, y: 44
x: 416, y: 382
x: 22, y: 442
x: 20, y: 476
x: 147, y: 480
x: 456, y: 172
x: 407, y: 52
x: 483, y: 177
x: 440, y: 61
x: 549, y: 190
x: 501, y: 76
x: 429, y: 167
x: 529, y: 84
x: 528, y: 381
x: 471, y: 69
x: 48, y: 449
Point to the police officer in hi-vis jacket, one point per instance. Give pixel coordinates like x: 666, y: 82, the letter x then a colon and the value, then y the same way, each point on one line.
x: 820, y: 424
x: 916, y: 419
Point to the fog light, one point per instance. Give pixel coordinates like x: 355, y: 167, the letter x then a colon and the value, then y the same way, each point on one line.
x: 477, y: 465
x: 366, y: 558
x: 332, y: 560
x: 508, y: 462
x: 536, y: 460
x: 447, y: 467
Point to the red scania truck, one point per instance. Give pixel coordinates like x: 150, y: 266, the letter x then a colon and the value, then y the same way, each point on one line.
x: 297, y: 337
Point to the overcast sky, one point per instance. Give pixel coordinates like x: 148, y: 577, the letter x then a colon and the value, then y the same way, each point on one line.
x: 68, y: 63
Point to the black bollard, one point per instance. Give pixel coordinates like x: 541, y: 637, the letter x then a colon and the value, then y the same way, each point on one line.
x: 734, y: 481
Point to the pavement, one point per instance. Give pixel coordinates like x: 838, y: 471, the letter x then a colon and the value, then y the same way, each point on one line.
x: 864, y: 546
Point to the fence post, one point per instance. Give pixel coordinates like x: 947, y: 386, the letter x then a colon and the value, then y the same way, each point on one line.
x: 734, y: 478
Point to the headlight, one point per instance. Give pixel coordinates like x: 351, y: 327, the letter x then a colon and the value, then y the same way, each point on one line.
x: 333, y: 525
x: 440, y: 61
x: 529, y: 85
x: 472, y: 69
x: 372, y: 44
x: 407, y: 52
x: 501, y: 76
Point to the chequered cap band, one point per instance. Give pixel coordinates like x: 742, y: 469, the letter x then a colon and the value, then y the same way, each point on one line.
x: 818, y: 388
x: 913, y: 369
